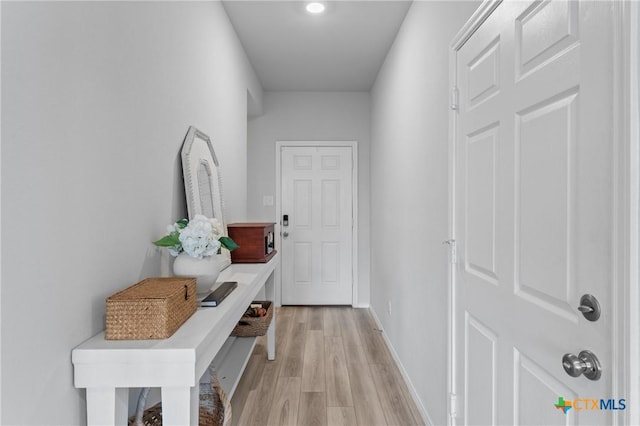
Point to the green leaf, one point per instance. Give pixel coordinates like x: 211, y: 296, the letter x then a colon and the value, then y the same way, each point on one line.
x: 182, y: 223
x: 228, y: 243
x: 167, y: 241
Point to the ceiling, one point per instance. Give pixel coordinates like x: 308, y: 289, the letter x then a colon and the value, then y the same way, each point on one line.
x: 341, y: 50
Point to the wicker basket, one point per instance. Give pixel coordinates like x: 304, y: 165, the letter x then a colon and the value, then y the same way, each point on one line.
x: 254, y: 326
x: 215, y: 407
x: 154, y: 308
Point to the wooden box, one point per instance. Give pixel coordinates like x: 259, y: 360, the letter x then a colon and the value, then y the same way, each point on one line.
x: 154, y: 308
x: 255, y: 241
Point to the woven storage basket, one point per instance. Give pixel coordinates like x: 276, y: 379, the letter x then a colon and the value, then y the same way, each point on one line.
x: 154, y: 308
x: 215, y: 407
x: 254, y: 326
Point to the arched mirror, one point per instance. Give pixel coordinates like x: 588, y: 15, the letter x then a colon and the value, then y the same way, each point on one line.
x: 202, y: 183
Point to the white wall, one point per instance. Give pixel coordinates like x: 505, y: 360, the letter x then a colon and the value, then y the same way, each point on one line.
x: 409, y: 200
x: 309, y: 116
x: 96, y: 100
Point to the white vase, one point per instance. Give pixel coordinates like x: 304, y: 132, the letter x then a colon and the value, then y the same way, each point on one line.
x: 205, y: 270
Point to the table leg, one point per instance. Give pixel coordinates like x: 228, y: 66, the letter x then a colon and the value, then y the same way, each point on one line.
x: 180, y: 405
x: 107, y: 406
x: 271, y: 338
x: 270, y: 293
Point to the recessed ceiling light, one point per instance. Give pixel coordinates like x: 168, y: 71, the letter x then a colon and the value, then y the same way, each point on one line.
x: 315, y: 7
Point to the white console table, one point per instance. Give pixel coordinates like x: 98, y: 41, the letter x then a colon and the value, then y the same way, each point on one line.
x: 108, y: 368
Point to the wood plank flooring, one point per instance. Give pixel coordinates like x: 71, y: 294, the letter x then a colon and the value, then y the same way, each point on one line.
x: 332, y: 368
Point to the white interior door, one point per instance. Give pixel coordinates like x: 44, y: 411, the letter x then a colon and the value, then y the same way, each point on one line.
x: 534, y: 216
x: 317, y: 241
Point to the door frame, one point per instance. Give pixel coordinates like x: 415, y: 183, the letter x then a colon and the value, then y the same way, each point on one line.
x: 354, y: 208
x: 626, y: 192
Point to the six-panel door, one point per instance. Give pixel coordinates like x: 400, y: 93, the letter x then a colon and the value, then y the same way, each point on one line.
x: 317, y: 243
x: 534, y: 212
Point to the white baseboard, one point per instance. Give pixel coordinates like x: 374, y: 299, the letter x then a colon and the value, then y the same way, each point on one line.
x: 412, y: 390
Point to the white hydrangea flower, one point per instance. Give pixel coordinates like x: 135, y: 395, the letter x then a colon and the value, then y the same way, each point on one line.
x: 198, y: 238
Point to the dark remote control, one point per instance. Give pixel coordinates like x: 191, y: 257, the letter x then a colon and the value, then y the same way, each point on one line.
x: 219, y: 294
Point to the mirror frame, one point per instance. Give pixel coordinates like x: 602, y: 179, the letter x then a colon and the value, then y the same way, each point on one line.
x: 198, y: 155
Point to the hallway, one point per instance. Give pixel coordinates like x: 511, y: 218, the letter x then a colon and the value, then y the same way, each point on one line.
x: 332, y: 367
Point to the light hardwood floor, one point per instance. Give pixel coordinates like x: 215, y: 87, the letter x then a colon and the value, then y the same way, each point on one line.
x: 332, y: 368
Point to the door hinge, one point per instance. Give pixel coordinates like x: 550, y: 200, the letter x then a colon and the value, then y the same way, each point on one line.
x: 453, y: 251
x: 453, y: 405
x: 454, y: 98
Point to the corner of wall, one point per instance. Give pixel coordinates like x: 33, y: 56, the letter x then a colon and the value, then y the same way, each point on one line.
x: 254, y: 104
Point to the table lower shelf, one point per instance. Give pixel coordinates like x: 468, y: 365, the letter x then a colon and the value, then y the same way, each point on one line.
x: 231, y: 361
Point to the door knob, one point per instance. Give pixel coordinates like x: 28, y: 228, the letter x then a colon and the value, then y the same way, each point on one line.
x: 585, y: 363
x: 285, y: 234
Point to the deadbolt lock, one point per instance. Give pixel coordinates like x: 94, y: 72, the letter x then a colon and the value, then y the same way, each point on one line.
x: 589, y: 307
